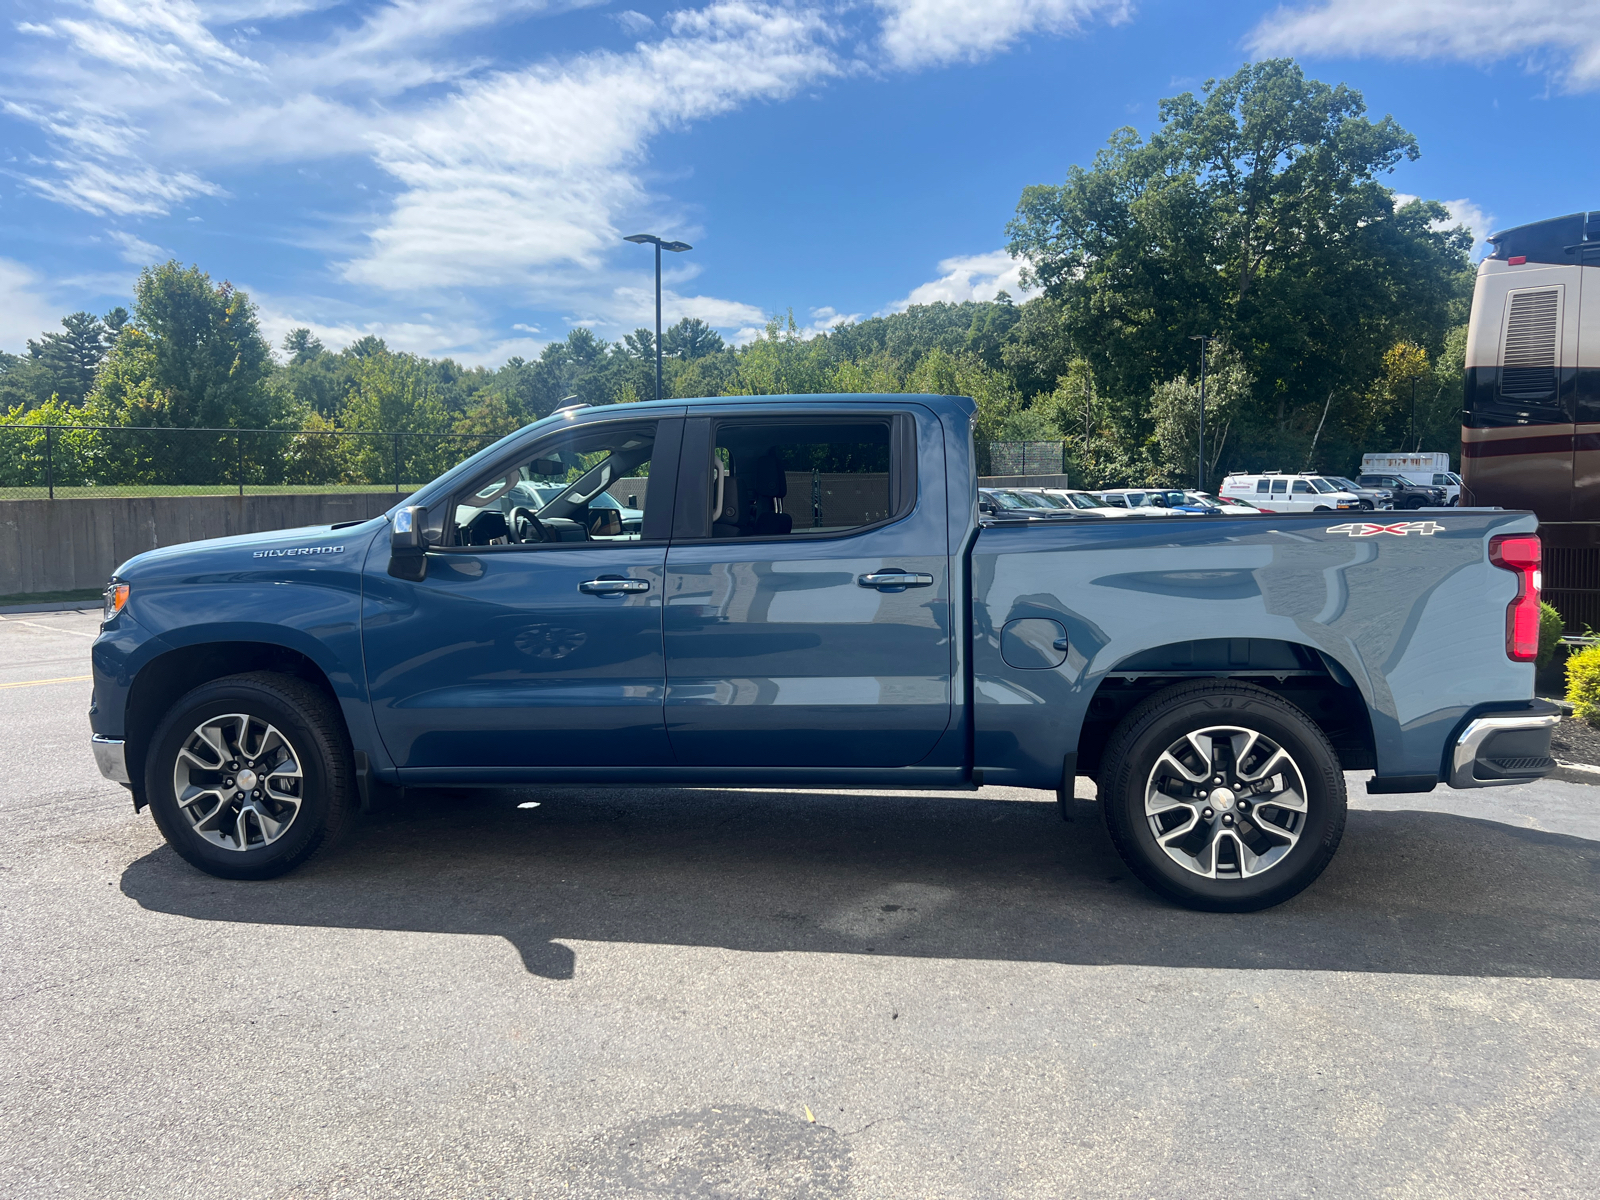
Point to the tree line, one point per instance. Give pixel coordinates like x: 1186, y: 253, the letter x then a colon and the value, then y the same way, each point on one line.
x: 1253, y: 216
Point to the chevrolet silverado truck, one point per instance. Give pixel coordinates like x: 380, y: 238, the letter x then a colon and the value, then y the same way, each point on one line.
x: 809, y: 597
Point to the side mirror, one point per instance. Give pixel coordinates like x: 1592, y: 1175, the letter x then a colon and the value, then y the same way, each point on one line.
x: 408, y: 545
x: 605, y: 522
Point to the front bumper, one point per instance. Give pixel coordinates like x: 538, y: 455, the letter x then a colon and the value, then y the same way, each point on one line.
x: 111, y: 756
x: 1502, y: 749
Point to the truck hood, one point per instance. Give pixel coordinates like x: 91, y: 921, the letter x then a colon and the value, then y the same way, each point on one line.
x: 313, y: 544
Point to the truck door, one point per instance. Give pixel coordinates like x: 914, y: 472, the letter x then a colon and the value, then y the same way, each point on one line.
x: 535, y: 637
x: 807, y: 618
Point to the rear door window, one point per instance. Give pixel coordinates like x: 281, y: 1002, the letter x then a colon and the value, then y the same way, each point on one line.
x: 822, y: 478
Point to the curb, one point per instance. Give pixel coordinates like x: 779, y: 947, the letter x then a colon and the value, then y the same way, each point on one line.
x: 1576, y: 773
x: 53, y: 606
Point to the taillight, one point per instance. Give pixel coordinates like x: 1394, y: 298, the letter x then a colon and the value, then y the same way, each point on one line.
x: 1519, y: 552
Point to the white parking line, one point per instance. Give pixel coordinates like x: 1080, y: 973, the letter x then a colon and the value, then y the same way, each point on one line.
x: 47, y: 628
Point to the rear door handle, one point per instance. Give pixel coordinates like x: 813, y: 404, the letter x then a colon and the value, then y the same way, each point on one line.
x: 896, y: 580
x: 614, y: 586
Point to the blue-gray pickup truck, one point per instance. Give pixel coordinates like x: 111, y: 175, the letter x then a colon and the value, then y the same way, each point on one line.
x: 806, y: 594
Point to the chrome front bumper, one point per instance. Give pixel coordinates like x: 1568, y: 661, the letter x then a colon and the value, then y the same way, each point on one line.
x: 111, y: 756
x: 1504, y: 749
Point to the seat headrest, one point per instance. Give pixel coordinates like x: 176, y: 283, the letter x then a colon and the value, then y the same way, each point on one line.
x: 767, y: 478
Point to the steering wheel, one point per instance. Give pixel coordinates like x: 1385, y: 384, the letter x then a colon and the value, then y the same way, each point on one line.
x: 525, y: 527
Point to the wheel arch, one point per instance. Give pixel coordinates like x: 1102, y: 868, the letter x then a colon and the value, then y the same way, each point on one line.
x: 1304, y: 675
x: 162, y: 680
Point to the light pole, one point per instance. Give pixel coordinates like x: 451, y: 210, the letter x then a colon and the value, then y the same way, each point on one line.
x: 677, y: 248
x: 1205, y: 339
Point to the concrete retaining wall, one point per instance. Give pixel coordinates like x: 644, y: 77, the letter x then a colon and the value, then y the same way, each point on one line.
x: 1050, y: 481
x: 72, y: 544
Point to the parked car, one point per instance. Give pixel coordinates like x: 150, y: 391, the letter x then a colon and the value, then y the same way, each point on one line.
x: 1156, y: 502
x: 849, y: 628
x: 1085, y: 502
x: 1371, y: 498
x: 1275, y: 492
x: 1430, y: 468
x: 1235, y: 506
x: 1403, y: 492
x: 1004, y: 504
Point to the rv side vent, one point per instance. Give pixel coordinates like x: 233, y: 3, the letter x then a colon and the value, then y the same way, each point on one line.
x: 1533, y: 330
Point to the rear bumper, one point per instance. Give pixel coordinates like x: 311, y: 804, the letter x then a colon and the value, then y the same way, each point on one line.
x: 1502, y: 749
x: 110, y: 755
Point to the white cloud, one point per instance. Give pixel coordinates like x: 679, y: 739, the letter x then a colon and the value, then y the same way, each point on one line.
x: 1462, y: 212
x: 969, y: 277
x: 24, y: 311
x: 826, y: 318
x: 501, y: 182
x: 921, y: 32
x: 136, y: 250
x: 1562, y: 36
x: 513, y: 175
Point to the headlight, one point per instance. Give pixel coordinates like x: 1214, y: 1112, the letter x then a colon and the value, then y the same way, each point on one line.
x: 116, y: 595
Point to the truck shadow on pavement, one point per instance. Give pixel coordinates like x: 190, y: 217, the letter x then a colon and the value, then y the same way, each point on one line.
x: 911, y: 875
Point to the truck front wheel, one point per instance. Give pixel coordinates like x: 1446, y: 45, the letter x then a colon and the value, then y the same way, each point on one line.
x: 1222, y: 796
x: 250, y: 775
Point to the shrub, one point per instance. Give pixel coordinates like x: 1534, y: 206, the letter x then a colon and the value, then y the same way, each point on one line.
x: 1551, y: 627
x: 1583, y: 684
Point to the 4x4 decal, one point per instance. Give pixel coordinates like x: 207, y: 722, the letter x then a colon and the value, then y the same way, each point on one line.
x: 1399, y: 528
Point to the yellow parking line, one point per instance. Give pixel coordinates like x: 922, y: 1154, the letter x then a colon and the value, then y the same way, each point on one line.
x: 38, y: 682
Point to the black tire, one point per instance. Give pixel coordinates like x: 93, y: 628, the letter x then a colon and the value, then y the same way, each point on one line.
x: 309, y: 723
x: 1148, y: 731
x: 1415, y: 502
x: 1322, y: 508
x: 1365, y: 505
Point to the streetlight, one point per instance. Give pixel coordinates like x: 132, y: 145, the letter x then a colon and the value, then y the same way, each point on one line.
x: 677, y: 248
x: 1205, y: 339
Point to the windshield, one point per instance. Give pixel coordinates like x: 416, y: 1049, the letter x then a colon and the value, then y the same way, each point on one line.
x: 1081, y: 500
x: 1008, y: 500
x: 1323, y: 486
x: 1041, y: 501
x: 1240, y: 501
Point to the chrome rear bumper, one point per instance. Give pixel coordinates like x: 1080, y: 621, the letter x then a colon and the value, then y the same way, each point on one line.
x: 1505, y: 748
x: 110, y: 755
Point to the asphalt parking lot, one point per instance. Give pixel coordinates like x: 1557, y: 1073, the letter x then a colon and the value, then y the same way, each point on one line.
x: 743, y: 994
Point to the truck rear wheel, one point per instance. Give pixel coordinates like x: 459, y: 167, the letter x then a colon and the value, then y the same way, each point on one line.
x: 249, y: 776
x: 1222, y: 796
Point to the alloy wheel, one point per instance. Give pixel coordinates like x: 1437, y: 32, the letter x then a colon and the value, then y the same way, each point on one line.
x: 238, y: 782
x: 1226, y: 802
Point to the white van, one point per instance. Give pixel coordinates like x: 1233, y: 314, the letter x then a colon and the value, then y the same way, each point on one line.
x: 1273, y: 491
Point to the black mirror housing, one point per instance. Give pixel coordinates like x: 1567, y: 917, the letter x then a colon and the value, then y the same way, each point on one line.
x: 408, y: 543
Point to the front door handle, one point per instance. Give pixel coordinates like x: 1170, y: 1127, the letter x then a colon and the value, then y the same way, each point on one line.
x: 896, y: 580
x: 614, y: 586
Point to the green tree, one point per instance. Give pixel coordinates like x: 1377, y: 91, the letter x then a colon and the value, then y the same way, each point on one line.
x: 1253, y: 213
x: 71, y: 358
x: 690, y: 338
x: 192, y: 355
x: 395, y: 394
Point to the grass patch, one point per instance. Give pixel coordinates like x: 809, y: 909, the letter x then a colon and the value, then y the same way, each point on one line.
x: 115, y: 491
x: 92, y: 595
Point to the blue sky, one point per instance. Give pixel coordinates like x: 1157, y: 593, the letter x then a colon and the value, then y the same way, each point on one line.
x: 457, y: 177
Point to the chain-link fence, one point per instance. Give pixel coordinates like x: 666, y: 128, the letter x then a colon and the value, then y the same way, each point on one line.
x: 1021, y: 458
x: 38, y: 461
